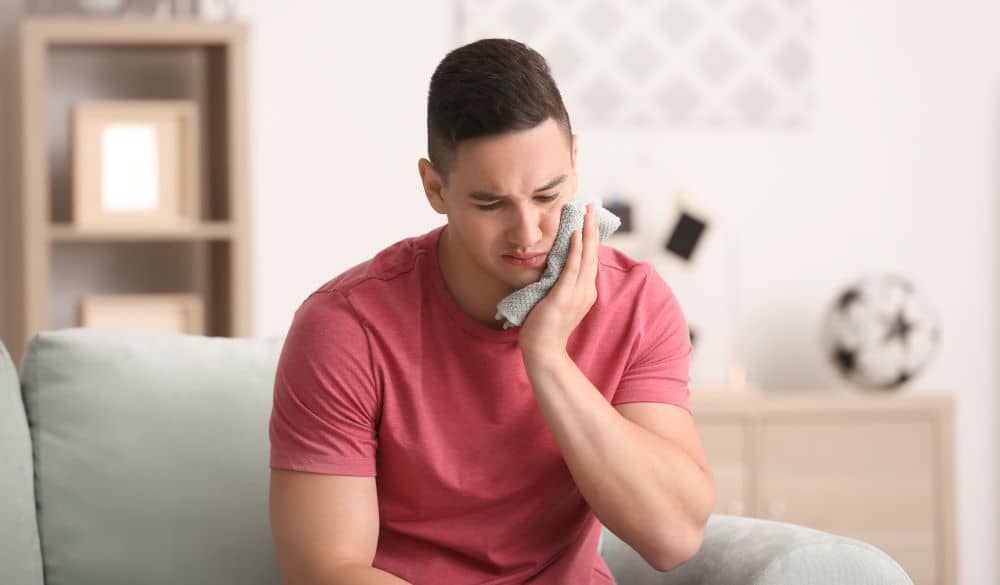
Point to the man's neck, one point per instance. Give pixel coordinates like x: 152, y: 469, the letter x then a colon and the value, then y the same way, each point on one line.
x: 466, y: 285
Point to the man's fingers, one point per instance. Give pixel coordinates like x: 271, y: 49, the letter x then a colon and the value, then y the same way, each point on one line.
x: 588, y: 268
x: 571, y: 268
x: 573, y: 258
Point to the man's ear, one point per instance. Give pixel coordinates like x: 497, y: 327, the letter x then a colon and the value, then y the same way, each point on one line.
x: 433, y: 185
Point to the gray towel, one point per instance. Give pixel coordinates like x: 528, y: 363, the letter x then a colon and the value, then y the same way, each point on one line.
x: 514, y: 308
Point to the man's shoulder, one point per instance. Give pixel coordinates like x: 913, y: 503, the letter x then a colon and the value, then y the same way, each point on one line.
x: 392, y: 263
x: 632, y: 283
x: 385, y: 280
x: 621, y: 266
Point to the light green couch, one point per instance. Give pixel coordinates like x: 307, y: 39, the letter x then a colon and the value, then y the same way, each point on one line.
x: 132, y: 458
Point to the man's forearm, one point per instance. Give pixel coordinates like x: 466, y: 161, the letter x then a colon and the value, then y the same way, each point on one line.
x: 362, y: 575
x: 644, y: 488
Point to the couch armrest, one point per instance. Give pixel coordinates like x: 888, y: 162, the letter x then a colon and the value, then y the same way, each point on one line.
x: 20, y: 548
x: 750, y: 551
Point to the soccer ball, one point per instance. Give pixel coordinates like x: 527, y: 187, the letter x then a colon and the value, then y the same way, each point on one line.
x: 879, y: 333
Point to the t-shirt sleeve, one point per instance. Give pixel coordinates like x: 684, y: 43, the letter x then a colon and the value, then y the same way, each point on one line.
x: 658, y: 369
x: 326, y: 403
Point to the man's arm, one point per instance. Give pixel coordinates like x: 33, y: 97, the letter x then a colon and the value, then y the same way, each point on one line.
x: 640, y: 466
x: 326, y: 529
x: 646, y: 479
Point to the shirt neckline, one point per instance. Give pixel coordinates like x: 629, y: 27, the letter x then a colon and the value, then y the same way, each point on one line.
x: 451, y: 307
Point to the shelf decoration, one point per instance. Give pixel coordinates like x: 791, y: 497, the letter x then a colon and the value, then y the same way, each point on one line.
x: 135, y: 9
x: 135, y: 164
x: 173, y: 313
x: 623, y: 209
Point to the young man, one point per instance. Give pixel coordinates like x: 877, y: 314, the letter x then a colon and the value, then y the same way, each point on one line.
x: 413, y: 439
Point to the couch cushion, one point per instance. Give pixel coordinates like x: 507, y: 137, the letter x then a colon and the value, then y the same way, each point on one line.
x: 20, y: 557
x: 151, y: 453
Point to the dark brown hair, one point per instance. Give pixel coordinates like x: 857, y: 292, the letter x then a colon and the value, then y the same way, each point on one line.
x: 488, y: 87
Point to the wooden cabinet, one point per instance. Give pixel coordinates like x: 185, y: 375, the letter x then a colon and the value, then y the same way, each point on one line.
x: 725, y: 443
x: 876, y: 468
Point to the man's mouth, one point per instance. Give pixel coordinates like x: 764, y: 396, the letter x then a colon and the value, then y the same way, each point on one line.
x: 524, y: 260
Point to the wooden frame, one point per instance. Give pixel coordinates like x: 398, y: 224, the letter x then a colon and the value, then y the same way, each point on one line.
x: 135, y: 163
x: 174, y: 313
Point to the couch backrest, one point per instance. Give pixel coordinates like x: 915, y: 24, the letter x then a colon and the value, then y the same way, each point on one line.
x: 20, y: 557
x: 151, y: 456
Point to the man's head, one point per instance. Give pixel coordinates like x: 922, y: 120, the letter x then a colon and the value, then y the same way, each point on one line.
x: 486, y: 88
x: 502, y: 158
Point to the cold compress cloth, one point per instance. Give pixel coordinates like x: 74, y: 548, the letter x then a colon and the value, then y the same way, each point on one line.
x: 514, y: 308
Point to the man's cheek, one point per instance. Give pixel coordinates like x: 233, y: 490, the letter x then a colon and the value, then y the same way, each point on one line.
x: 552, y: 217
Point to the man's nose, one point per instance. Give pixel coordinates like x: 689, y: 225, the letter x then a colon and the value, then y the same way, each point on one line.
x: 527, y: 227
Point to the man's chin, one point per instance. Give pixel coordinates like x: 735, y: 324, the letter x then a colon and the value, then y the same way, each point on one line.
x: 523, y: 278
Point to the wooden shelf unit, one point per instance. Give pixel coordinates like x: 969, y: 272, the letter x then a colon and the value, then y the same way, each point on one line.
x: 37, y: 220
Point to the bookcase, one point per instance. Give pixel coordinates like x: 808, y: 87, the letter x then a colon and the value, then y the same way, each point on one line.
x: 53, y: 261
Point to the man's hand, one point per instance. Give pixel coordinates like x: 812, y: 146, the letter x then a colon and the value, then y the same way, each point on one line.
x: 553, y: 319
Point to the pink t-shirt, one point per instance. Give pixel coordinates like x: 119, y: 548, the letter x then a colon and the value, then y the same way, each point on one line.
x: 383, y: 374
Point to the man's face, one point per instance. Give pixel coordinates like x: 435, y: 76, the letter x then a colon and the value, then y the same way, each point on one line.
x: 504, y: 196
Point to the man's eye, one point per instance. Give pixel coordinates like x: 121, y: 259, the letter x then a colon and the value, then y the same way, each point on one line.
x: 545, y: 199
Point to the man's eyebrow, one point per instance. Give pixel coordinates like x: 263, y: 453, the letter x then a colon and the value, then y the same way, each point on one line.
x: 486, y: 196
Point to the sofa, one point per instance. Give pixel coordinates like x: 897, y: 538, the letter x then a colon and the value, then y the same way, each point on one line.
x: 130, y: 457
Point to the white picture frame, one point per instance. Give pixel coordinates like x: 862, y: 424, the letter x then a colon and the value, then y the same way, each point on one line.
x: 135, y: 164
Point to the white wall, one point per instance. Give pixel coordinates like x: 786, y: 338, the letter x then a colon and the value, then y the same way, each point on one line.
x: 897, y: 173
x: 338, y: 116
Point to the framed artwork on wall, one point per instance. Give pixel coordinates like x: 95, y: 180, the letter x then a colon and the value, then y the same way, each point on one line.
x: 171, y: 313
x: 665, y: 64
x: 135, y: 163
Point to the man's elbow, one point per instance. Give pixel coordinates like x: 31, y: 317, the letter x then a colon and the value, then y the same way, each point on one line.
x: 676, y: 551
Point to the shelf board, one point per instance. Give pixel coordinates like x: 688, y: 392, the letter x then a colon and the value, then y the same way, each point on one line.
x: 131, y: 31
x: 66, y: 232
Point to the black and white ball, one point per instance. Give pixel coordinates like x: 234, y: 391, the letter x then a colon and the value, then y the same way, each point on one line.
x: 880, y: 333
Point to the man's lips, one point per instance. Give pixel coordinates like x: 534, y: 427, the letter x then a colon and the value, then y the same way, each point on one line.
x: 520, y: 260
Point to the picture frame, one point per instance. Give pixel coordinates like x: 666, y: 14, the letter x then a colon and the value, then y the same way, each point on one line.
x: 181, y: 313
x: 135, y: 163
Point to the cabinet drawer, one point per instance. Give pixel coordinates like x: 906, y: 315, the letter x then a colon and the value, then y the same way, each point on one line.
x: 726, y: 449
x: 873, y: 480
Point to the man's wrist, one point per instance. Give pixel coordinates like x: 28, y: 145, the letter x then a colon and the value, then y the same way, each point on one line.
x: 544, y: 356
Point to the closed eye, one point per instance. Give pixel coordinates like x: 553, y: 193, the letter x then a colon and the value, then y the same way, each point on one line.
x: 545, y: 199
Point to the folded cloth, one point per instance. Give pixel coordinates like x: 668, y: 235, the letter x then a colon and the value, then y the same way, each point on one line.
x: 514, y: 308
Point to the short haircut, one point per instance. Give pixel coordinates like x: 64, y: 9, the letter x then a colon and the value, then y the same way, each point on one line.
x: 485, y: 88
